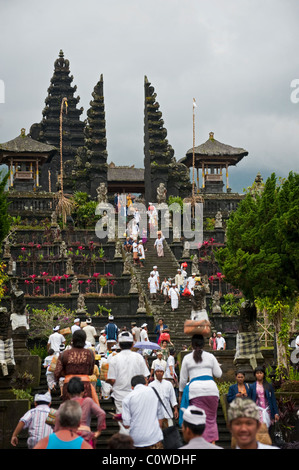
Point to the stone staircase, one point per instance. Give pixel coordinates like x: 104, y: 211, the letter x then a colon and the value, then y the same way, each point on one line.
x: 111, y: 425
x: 167, y: 267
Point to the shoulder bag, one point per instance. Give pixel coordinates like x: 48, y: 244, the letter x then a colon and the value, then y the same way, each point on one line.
x: 171, y: 435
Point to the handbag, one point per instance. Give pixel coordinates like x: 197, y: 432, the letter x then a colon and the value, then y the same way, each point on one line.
x: 171, y: 436
x: 51, y: 418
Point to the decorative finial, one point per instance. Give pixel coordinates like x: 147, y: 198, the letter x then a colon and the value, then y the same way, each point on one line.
x: 23, y: 132
x: 211, y: 134
x: 61, y: 54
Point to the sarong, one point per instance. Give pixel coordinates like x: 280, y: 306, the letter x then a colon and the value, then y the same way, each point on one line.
x: 210, y: 406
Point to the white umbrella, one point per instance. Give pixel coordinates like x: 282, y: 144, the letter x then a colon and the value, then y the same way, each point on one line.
x: 146, y: 345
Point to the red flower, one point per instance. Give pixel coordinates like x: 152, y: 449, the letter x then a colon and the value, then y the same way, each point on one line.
x: 66, y: 276
x: 23, y: 248
x: 88, y: 281
x: 96, y: 274
x: 38, y: 246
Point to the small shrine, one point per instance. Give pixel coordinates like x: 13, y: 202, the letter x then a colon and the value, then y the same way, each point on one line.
x: 212, y: 158
x: 24, y: 158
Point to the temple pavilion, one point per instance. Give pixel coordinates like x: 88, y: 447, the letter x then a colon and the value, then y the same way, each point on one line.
x: 24, y: 156
x: 212, y: 158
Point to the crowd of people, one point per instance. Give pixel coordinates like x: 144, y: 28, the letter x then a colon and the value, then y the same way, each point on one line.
x: 155, y: 391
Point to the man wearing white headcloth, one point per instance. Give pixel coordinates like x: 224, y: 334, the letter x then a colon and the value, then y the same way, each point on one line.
x: 167, y: 395
x: 35, y: 421
x: 55, y: 340
x: 174, y: 297
x: 194, y: 421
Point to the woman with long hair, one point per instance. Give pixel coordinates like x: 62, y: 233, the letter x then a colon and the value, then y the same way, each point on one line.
x: 262, y: 393
x: 197, y: 386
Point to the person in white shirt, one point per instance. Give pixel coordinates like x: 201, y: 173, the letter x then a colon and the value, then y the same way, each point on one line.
x: 101, y: 347
x: 135, y: 252
x: 191, y: 283
x: 76, y: 325
x: 167, y: 394
x: 141, y: 413
x: 141, y: 254
x: 174, y: 297
x: 122, y: 367
x: 55, y: 340
x: 158, y: 362
x: 135, y: 332
x: 144, y: 332
x: 91, y: 332
x: 179, y: 280
x: 155, y: 272
x: 159, y: 245
x: 220, y: 341
x: 153, y: 286
x: 165, y: 289
x: 170, y: 373
x: 243, y: 417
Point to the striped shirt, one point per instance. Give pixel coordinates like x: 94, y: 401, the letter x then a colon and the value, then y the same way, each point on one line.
x: 35, y: 421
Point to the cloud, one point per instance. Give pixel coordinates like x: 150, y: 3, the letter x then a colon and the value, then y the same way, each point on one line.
x: 236, y: 58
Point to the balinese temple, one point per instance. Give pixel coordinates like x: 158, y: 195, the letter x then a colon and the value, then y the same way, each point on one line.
x: 89, y: 168
x: 48, y: 130
x: 25, y: 157
x: 160, y: 165
x: 212, y: 159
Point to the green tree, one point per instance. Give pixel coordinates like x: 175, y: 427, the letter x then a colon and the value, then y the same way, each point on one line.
x: 261, y: 256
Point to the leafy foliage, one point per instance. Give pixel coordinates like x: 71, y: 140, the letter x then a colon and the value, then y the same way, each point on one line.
x: 4, y: 217
x: 43, y: 321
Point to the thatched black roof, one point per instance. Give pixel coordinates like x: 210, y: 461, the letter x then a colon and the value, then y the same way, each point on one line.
x: 24, y: 144
x: 215, y: 152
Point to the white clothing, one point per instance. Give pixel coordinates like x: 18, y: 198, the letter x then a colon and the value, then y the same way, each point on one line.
x: 167, y: 394
x: 156, y: 277
x: 190, y: 284
x: 262, y: 446
x: 135, y: 247
x: 101, y: 347
x: 55, y: 340
x: 158, y: 362
x: 152, y: 284
x: 170, y: 363
x: 122, y: 368
x: 75, y: 328
x: 190, y: 369
x: 90, y: 334
x: 141, y: 252
x: 297, y: 342
x: 143, y: 335
x: 220, y: 342
x: 136, y: 333
x: 174, y: 297
x: 164, y: 287
x: 141, y: 410
x: 179, y: 280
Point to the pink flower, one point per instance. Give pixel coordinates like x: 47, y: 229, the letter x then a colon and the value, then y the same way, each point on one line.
x: 26, y: 281
x: 219, y: 275
x: 80, y: 247
x: 38, y: 246
x: 96, y: 274
x: 66, y: 276
x: 54, y: 279
x: 88, y: 281
x: 109, y: 274
x: 61, y: 290
x: 44, y: 273
x: 80, y: 282
x: 23, y: 248
x: 33, y: 276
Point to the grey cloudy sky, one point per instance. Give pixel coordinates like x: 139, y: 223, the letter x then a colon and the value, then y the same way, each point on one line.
x: 237, y: 58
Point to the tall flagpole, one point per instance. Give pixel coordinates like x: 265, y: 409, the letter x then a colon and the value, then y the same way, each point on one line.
x: 193, y: 159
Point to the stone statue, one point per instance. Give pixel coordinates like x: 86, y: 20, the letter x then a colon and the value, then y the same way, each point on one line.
x: 18, y: 316
x: 133, y: 285
x: 218, y: 220
x: 216, y: 308
x: 81, y: 308
x: 248, y: 317
x: 118, y: 252
x: 141, y: 304
x: 53, y: 219
x: 161, y: 193
x: 69, y: 266
x: 176, y: 234
x: 75, y: 286
x: 186, y: 250
x: 63, y: 250
x: 198, y: 303
x: 6, y: 251
x: 127, y: 264
x: 102, y: 193
x: 6, y: 343
x: 194, y: 268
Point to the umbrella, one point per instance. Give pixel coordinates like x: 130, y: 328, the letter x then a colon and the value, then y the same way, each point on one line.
x: 146, y: 345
